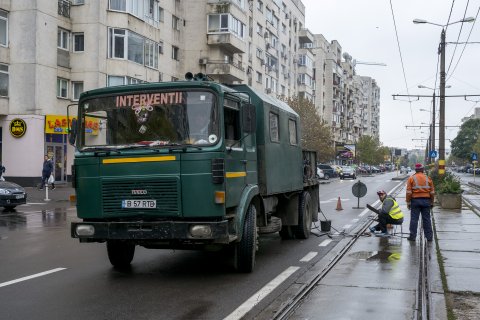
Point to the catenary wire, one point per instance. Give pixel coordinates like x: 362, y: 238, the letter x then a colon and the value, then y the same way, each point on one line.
x: 458, y: 38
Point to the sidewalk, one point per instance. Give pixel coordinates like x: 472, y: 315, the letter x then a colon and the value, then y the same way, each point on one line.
x: 60, y: 197
x: 377, y: 278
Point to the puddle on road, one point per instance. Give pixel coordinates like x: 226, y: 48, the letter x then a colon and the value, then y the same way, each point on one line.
x: 377, y: 256
x: 16, y: 220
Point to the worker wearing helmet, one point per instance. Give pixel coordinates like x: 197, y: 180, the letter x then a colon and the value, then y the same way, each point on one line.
x: 420, y: 197
x: 390, y: 213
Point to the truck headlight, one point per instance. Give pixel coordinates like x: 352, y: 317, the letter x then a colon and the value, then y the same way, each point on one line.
x: 201, y: 231
x: 85, y: 230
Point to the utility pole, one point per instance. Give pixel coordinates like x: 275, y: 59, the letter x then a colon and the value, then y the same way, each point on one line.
x: 433, y: 126
x: 441, y: 128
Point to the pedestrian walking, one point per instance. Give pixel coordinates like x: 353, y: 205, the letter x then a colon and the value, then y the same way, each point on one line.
x: 47, y: 171
x: 420, y: 197
x: 390, y: 213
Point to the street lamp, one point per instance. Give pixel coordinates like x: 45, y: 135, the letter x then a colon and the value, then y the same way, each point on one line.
x: 432, y: 128
x: 441, y: 124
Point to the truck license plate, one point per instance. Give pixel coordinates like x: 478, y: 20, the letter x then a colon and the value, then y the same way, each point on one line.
x: 143, y: 204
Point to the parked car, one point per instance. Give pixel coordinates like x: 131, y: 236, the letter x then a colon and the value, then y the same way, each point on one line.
x: 11, y: 195
x: 348, y: 172
x: 328, y: 171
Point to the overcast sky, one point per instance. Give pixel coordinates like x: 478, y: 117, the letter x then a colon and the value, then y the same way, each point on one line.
x: 366, y: 30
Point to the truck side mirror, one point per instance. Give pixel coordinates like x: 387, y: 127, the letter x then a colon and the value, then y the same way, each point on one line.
x: 249, y: 118
x: 72, y: 132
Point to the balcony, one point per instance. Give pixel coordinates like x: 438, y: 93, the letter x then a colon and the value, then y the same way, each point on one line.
x: 226, y: 41
x: 64, y: 8
x: 305, y: 36
x: 225, y: 72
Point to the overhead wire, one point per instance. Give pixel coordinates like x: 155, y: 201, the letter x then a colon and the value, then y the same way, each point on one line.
x: 465, y: 45
x: 401, y: 59
x: 458, y: 38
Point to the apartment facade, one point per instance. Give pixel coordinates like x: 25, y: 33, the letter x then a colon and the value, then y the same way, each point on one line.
x: 52, y: 51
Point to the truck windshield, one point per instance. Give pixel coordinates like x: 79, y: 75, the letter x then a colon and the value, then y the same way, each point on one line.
x: 160, y: 118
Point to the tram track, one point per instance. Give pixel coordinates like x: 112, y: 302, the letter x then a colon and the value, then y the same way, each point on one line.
x: 423, y: 292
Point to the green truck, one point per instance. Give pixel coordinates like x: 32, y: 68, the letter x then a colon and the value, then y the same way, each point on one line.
x: 189, y: 164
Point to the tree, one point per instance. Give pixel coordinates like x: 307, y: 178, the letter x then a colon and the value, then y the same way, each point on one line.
x: 464, y: 142
x: 316, y: 135
x: 367, y: 150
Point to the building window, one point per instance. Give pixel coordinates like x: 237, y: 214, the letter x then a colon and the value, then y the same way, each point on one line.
x: 292, y: 131
x: 259, y: 77
x: 78, y: 2
x: 62, y: 38
x: 119, y: 5
x: 122, y: 80
x: 3, y: 80
x: 78, y: 42
x: 151, y: 54
x: 175, y: 53
x: 176, y: 23
x: 160, y: 47
x: 226, y: 23
x: 3, y: 28
x: 125, y: 44
x: 260, y: 6
x: 161, y: 13
x: 274, y: 137
x: 62, y: 88
x: 77, y: 89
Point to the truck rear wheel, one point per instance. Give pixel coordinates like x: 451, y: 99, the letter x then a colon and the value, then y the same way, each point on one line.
x: 246, y: 248
x: 302, y: 231
x: 120, y: 253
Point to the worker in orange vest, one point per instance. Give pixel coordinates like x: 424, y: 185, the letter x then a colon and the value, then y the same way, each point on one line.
x: 420, y: 196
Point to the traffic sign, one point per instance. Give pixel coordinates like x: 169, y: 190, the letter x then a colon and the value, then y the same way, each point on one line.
x: 474, y: 156
x: 433, y: 153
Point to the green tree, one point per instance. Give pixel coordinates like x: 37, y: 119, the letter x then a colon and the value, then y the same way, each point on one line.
x: 316, y: 135
x: 464, y: 142
x: 368, y: 150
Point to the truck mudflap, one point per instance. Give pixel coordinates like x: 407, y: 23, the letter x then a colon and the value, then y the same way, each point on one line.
x: 209, y: 232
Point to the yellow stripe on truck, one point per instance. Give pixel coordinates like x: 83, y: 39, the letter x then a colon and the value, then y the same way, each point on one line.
x: 143, y: 159
x: 235, y: 174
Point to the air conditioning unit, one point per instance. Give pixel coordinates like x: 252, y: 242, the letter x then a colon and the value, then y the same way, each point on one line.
x: 262, y: 62
x: 267, y: 45
x: 268, y: 90
x: 266, y: 35
x: 202, y: 61
x: 287, y: 16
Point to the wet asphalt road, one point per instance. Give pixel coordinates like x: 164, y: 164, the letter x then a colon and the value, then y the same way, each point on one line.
x: 44, y: 274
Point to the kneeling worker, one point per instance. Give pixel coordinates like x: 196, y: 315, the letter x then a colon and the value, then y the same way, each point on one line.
x: 390, y: 213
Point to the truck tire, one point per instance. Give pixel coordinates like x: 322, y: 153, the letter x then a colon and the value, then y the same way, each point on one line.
x: 246, y: 248
x: 120, y: 253
x: 302, y: 231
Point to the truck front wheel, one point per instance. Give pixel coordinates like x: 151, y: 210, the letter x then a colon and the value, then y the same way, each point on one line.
x: 120, y: 253
x: 245, y: 249
x: 302, y: 231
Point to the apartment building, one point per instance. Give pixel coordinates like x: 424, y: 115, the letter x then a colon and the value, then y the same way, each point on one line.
x: 52, y: 51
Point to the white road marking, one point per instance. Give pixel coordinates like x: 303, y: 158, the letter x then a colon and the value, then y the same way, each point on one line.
x: 347, y: 226
x: 309, y: 256
x: 325, y: 242
x: 363, y: 212
x: 260, y: 294
x: 327, y: 201
x: 354, y: 220
x: 31, y: 203
x: 4, y: 284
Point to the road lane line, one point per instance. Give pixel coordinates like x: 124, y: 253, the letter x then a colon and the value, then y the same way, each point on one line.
x: 4, y: 284
x: 346, y: 227
x: 309, y: 256
x: 354, y: 220
x: 363, y: 212
x: 325, y: 242
x: 260, y: 294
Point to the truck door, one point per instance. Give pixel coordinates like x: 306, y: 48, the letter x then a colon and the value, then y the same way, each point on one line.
x: 235, y: 160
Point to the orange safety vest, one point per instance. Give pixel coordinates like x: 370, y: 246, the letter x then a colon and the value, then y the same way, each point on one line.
x: 419, y: 186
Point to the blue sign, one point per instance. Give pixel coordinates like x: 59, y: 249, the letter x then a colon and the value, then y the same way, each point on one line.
x: 433, y: 153
x: 474, y: 156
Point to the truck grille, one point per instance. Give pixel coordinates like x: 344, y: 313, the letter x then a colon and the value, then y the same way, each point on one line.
x: 164, y: 190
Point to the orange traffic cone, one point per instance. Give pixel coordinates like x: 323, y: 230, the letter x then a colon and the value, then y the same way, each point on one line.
x: 339, y: 204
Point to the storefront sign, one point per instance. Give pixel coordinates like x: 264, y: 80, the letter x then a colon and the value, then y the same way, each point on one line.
x: 59, y: 124
x: 18, y: 127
